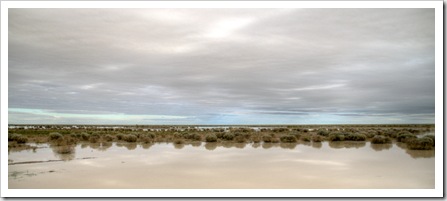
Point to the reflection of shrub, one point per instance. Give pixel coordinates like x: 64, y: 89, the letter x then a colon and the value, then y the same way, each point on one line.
x: 424, y: 143
x: 405, y: 136
x: 288, y: 138
x: 355, y: 137
x: 378, y: 139
x: 211, y: 138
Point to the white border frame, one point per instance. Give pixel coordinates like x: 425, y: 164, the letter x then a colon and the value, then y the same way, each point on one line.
x: 437, y: 192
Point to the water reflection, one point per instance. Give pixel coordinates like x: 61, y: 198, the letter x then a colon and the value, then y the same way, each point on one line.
x: 256, y: 145
x: 381, y: 147
x: 64, y: 152
x: 147, y: 145
x: 421, y: 153
x: 211, y: 146
x: 178, y: 146
x: 288, y: 145
x: 317, y: 145
x: 269, y: 145
x: 346, y: 144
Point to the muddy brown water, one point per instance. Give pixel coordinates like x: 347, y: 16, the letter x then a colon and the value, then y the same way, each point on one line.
x: 327, y: 165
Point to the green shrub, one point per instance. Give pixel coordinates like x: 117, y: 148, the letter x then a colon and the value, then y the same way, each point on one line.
x: 240, y: 139
x: 228, y: 136
x: 211, y: 138
x: 317, y: 138
x: 355, y: 137
x: 130, y: 138
x: 178, y: 141
x: 306, y: 138
x: 20, y: 139
x: 120, y: 136
x: 267, y: 138
x: 336, y: 137
x: 424, y: 143
x: 85, y: 136
x: 108, y: 138
x: 406, y: 136
x: 288, y: 138
x: 378, y: 139
x: 323, y: 132
x: 55, y: 136
x: 432, y: 137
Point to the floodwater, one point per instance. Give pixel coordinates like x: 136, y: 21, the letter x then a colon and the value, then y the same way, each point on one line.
x: 327, y: 165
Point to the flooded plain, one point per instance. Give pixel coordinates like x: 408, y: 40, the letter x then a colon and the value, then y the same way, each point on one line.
x: 326, y: 165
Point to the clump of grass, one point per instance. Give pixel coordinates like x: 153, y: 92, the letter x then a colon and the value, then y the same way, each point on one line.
x: 424, y: 143
x: 55, y: 136
x: 211, y: 138
x: 355, y: 137
x: 130, y: 138
x: 378, y: 139
x: 406, y: 136
x: 323, y: 132
x: 288, y: 138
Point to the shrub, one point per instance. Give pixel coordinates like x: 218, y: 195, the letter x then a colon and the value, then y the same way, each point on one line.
x: 211, y: 138
x: 306, y: 138
x: 228, y: 136
x: 55, y: 136
x: 120, y: 136
x: 130, y: 138
x: 432, y: 137
x: 108, y: 138
x: 288, y: 138
x: 240, y: 139
x: 404, y: 137
x: 336, y: 137
x: 267, y: 138
x: 355, y: 137
x: 275, y: 140
x: 20, y: 139
x: 178, y: 141
x: 322, y: 132
x: 317, y: 138
x: 378, y: 139
x: 85, y: 136
x: 94, y: 138
x: 424, y: 143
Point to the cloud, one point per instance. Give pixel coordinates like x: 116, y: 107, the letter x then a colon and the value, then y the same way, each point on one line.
x: 261, y: 64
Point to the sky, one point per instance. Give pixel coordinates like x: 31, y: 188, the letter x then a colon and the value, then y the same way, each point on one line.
x: 221, y: 66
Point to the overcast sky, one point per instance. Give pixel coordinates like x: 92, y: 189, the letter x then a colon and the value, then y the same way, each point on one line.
x: 221, y: 66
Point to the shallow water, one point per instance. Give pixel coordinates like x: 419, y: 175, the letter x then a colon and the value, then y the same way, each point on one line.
x: 324, y: 165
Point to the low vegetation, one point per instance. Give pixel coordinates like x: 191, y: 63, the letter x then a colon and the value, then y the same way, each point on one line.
x: 409, y: 135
